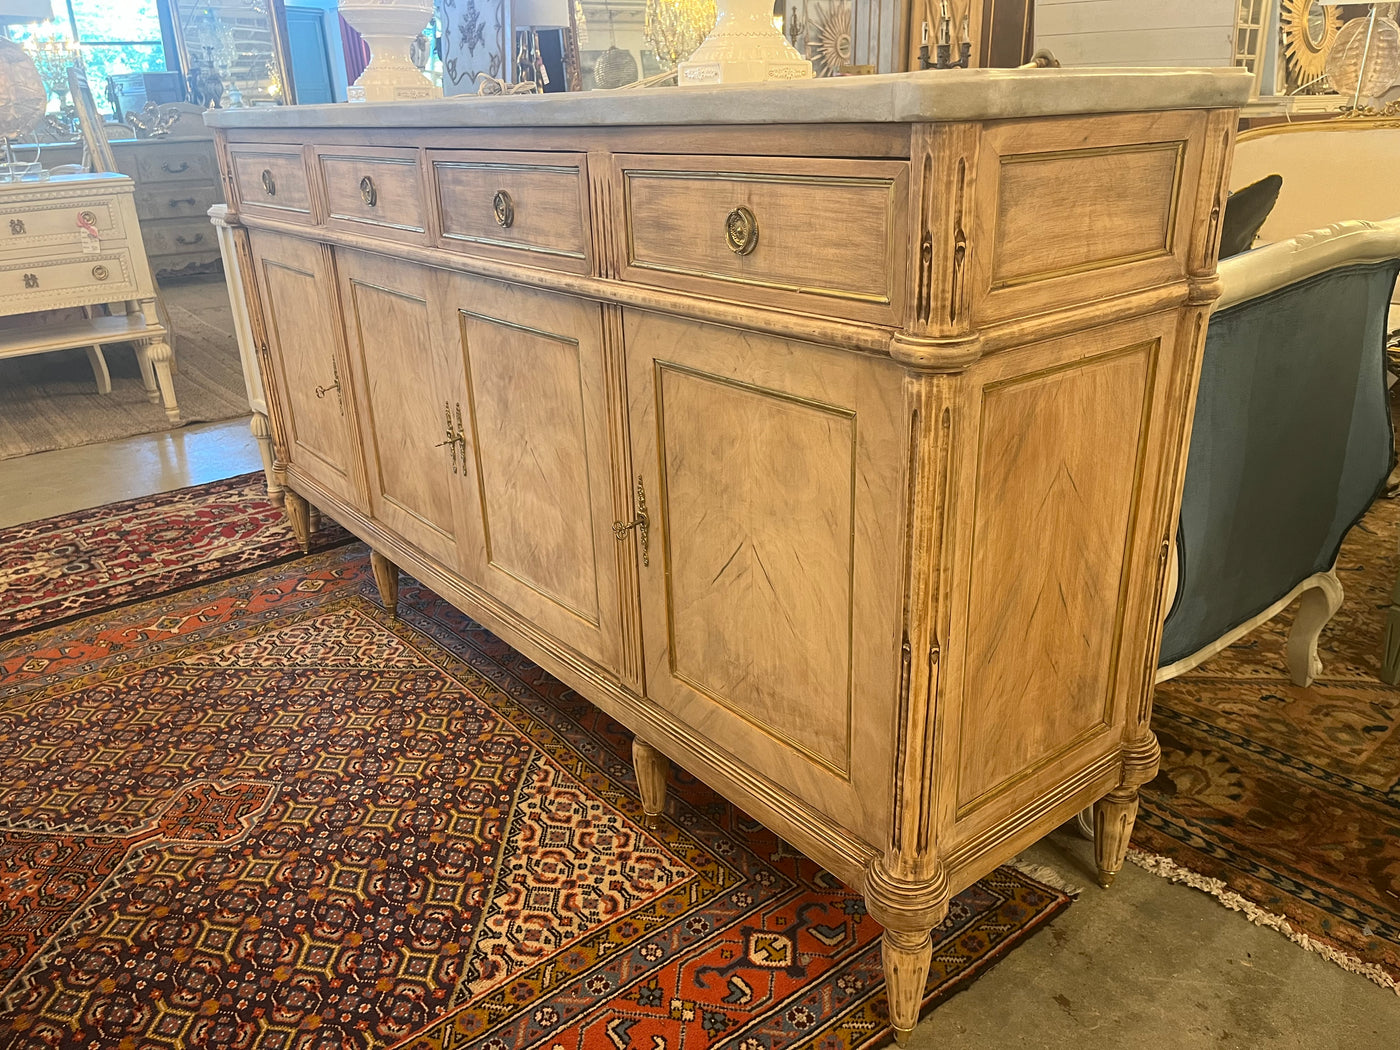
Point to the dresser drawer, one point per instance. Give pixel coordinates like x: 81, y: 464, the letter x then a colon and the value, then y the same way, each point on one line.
x: 378, y: 188
x: 526, y: 207
x: 170, y: 161
x: 172, y: 238
x: 271, y: 181
x: 177, y: 200
x: 68, y: 280
x: 825, y: 236
x: 24, y: 227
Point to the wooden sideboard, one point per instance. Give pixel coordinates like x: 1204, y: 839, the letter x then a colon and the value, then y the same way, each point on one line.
x: 829, y: 436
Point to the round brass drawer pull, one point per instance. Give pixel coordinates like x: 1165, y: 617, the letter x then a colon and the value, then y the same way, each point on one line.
x: 368, y: 193
x: 269, y: 183
x: 741, y: 231
x: 504, y: 209
x: 101, y: 272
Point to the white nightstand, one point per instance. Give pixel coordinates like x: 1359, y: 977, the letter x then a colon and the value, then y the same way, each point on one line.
x: 74, y: 240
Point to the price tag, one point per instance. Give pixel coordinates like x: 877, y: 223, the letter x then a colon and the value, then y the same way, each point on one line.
x: 87, y: 235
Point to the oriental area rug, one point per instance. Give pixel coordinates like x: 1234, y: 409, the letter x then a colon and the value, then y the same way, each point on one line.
x: 260, y: 813
x: 1288, y: 798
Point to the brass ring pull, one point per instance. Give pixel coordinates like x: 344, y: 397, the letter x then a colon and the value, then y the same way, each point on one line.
x: 269, y: 183
x: 741, y: 231
x: 368, y: 193
x: 504, y: 209
x: 101, y: 272
x: 87, y: 218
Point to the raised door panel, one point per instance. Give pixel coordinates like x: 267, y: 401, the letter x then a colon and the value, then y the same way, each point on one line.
x: 537, y: 438
x: 771, y: 599
x: 405, y: 398
x: 303, y: 333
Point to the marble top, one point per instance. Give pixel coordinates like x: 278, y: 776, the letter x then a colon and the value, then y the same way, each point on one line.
x: 931, y: 95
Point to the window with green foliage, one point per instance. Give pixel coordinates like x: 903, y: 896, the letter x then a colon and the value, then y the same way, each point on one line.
x: 112, y: 36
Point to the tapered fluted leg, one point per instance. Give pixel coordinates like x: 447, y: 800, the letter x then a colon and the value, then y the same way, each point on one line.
x: 1318, y: 605
x: 262, y: 432
x: 299, y: 517
x: 652, y: 769
x: 386, y: 578
x: 906, y: 957
x: 1114, y: 815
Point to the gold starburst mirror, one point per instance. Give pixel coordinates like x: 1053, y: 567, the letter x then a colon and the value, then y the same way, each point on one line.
x: 1309, y: 31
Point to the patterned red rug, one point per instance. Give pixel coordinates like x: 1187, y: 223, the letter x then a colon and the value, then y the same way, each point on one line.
x: 1291, y: 796
x: 259, y: 813
x: 57, y: 568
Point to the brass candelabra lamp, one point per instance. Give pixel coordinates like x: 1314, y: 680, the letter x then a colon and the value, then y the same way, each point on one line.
x: 944, y: 50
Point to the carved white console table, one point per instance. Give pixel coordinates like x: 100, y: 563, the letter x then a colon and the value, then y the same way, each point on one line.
x: 74, y: 240
x: 829, y: 435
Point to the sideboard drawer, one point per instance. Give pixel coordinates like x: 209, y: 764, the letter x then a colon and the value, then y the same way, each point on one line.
x: 374, y: 187
x: 271, y: 181
x: 526, y: 207
x: 25, y: 227
x: 70, y: 280
x: 816, y: 235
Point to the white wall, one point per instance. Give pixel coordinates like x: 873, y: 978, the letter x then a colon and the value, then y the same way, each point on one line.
x: 1137, y: 32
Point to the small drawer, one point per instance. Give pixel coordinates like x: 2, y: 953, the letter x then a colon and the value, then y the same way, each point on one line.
x: 27, y: 226
x: 69, y: 280
x: 186, y: 201
x: 526, y: 207
x: 172, y: 238
x: 826, y: 236
x: 271, y: 181
x: 168, y: 162
x: 380, y: 188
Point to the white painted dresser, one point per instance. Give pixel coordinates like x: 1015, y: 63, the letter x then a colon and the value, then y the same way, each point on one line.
x: 74, y: 241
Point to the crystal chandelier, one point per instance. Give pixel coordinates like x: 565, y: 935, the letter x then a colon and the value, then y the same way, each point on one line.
x: 675, y: 28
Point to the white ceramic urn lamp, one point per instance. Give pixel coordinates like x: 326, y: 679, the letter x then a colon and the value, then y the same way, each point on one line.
x: 744, y: 46
x: 390, y: 27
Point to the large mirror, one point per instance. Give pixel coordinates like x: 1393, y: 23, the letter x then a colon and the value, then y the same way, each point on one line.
x: 233, y: 52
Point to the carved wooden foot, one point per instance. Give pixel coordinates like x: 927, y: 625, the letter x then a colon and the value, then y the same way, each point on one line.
x: 262, y: 432
x: 652, y: 769
x: 299, y: 516
x: 908, y: 907
x: 386, y: 578
x: 160, y: 356
x: 1318, y: 605
x: 1115, y: 813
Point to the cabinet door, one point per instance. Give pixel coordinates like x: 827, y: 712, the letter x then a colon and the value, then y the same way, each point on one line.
x: 773, y: 473
x: 538, y: 443
x: 407, y: 398
x: 302, y: 327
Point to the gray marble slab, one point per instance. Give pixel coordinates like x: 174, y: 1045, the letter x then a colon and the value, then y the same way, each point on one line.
x: 932, y: 95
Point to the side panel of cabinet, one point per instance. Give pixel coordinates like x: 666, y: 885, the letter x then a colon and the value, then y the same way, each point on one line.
x: 535, y: 405
x: 302, y: 326
x: 771, y: 606
x: 405, y: 389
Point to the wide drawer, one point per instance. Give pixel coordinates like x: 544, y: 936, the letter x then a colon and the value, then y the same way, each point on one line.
x: 271, y: 181
x: 170, y: 161
x: 825, y: 236
x: 170, y: 238
x: 526, y: 207
x: 188, y: 200
x: 68, y: 280
x: 24, y: 227
x: 380, y: 188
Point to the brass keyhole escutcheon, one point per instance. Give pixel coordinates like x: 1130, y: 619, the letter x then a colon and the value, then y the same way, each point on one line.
x: 741, y: 231
x: 269, y: 183
x: 368, y: 193
x: 504, y: 209
x: 101, y: 272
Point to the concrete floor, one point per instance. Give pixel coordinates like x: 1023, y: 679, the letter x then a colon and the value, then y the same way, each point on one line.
x: 1144, y: 964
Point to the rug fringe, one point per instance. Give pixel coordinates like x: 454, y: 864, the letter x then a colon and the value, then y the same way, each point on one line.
x: 1174, y: 872
x: 1047, y: 875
